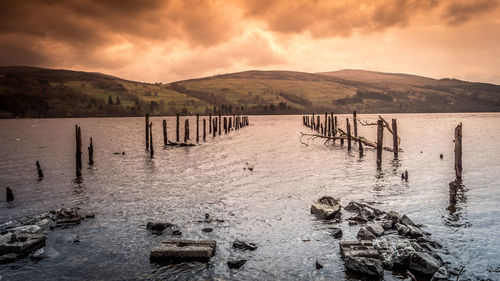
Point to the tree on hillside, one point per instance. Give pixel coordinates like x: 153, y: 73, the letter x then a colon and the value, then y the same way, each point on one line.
x: 118, y: 102
x: 110, y: 100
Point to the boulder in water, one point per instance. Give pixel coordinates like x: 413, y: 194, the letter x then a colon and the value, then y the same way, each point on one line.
x: 365, y: 266
x: 326, y: 208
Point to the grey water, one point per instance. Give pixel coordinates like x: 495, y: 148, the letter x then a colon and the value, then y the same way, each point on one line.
x: 268, y: 206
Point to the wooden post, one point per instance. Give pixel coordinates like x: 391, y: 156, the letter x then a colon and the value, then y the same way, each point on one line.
x: 230, y: 124
x: 78, y: 155
x: 147, y: 131
x: 395, y: 145
x: 165, y: 137
x: 220, y: 123
x: 197, y: 127
x: 458, y: 151
x: 335, y: 126
x: 210, y: 123
x: 355, y: 123
x: 317, y: 123
x: 177, y: 128
x: 321, y: 128
x: 204, y: 129
x: 329, y: 130
x: 348, y: 134
x: 151, y: 150
x: 453, y: 191
x: 360, y: 146
x: 331, y: 125
x: 91, y: 153
x: 214, y: 127
x: 225, y: 125
x: 186, y: 130
x: 380, y: 139
x: 39, y: 169
x: 325, y: 126
x: 9, y: 194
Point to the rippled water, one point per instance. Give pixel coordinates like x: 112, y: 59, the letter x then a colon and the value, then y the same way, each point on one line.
x: 268, y: 206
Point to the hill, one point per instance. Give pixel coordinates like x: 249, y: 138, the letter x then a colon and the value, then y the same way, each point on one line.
x: 39, y: 92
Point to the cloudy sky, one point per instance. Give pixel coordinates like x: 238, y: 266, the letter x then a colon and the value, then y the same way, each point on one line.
x: 164, y: 41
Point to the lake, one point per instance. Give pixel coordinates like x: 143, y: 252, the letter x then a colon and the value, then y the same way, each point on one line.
x: 268, y: 206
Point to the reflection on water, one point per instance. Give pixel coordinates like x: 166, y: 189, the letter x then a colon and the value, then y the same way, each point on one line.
x: 268, y: 205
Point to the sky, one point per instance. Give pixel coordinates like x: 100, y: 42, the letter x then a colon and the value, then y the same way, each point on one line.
x: 166, y: 41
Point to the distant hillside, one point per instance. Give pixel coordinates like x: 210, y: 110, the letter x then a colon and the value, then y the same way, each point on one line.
x: 38, y: 92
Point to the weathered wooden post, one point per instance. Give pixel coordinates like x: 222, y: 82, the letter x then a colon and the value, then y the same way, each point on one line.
x: 355, y: 123
x: 210, y: 123
x: 204, y: 129
x: 321, y: 128
x: 165, y: 137
x: 360, y: 148
x: 214, y: 126
x: 147, y: 131
x: 78, y: 155
x: 9, y: 194
x: 458, y: 151
x: 220, y: 123
x: 335, y: 127
x: 91, y: 153
x: 225, y: 125
x: 329, y: 130
x: 325, y: 126
x: 317, y: 123
x: 230, y: 124
x: 395, y: 145
x: 39, y: 169
x: 331, y: 125
x: 197, y: 127
x: 453, y: 191
x: 380, y: 139
x: 151, y: 150
x: 186, y: 130
x: 348, y: 134
x: 177, y: 128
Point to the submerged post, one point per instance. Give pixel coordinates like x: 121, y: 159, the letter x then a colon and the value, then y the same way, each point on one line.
x: 151, y: 150
x: 9, y: 194
x: 458, y: 151
x: 325, y: 126
x: 39, y: 169
x: 380, y: 139
x: 355, y: 123
x: 78, y: 155
x: 204, y: 129
x: 165, y: 137
x: 335, y: 126
x: 186, y: 130
x: 214, y: 126
x: 220, y: 123
x: 348, y: 134
x: 360, y: 148
x: 395, y: 145
x: 210, y: 123
x: 91, y: 153
x: 225, y: 125
x: 177, y: 128
x: 197, y: 127
x: 147, y: 131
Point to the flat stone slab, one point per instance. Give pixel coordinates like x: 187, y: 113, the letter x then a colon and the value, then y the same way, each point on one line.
x: 23, y: 244
x: 358, y: 248
x: 179, y: 250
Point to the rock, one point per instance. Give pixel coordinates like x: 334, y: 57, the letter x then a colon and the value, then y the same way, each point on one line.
x: 66, y: 216
x: 158, y: 227
x: 183, y: 250
x: 364, y: 234
x: 404, y: 251
x: 26, y: 229
x: 318, y: 265
x: 4, y: 239
x: 441, y: 275
x: 326, y: 208
x: 207, y: 229
x: 358, y: 218
x: 386, y: 252
x: 244, y: 245
x: 393, y: 216
x: 424, y: 263
x: 37, y: 254
x: 365, y: 266
x: 359, y: 248
x: 43, y: 223
x: 23, y: 244
x: 403, y: 230
x: 89, y: 215
x: 376, y: 229
x: 7, y: 258
x: 364, y: 210
x: 407, y: 221
x: 236, y: 264
x: 386, y: 224
x: 9, y: 194
x: 177, y: 233
x: 414, y: 231
x: 337, y: 233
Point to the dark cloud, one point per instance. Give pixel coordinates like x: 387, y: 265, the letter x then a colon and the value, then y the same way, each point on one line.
x: 461, y: 11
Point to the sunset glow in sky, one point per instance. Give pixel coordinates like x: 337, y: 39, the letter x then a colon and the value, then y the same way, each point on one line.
x: 164, y: 41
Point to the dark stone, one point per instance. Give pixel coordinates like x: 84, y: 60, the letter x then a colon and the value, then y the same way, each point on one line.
x: 10, y: 194
x: 364, y: 234
x: 407, y: 221
x: 176, y: 232
x: 183, y: 250
x: 23, y: 244
x: 364, y: 211
x: 7, y: 258
x: 158, y: 227
x: 376, y: 229
x: 326, y: 208
x: 244, y: 245
x: 365, y: 266
x: 359, y: 248
x: 424, y: 263
x: 337, y: 233
x: 393, y: 216
x: 207, y: 229
x: 236, y: 264
x: 441, y: 275
x: 318, y: 265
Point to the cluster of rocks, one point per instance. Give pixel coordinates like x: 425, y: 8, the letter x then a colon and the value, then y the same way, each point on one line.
x: 26, y: 238
x: 386, y: 240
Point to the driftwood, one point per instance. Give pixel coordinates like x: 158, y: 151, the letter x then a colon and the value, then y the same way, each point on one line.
x: 343, y: 136
x: 384, y: 122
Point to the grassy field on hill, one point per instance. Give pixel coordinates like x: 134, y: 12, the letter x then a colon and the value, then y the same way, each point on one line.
x: 38, y: 92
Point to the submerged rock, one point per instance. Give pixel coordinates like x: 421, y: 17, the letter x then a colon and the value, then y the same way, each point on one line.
x: 244, y: 245
x: 359, y: 248
x: 23, y: 244
x: 424, y: 263
x: 318, y: 265
x: 25, y: 229
x: 365, y: 266
x: 207, y: 229
x: 236, y: 264
x: 157, y: 228
x: 376, y: 229
x: 337, y: 233
x: 441, y: 275
x: 183, y: 250
x: 4, y: 239
x: 407, y: 221
x: 364, y: 210
x: 386, y: 252
x: 364, y: 234
x: 326, y: 208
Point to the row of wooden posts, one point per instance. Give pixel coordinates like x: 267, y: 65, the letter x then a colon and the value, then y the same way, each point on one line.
x: 215, y: 125
x: 329, y: 128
